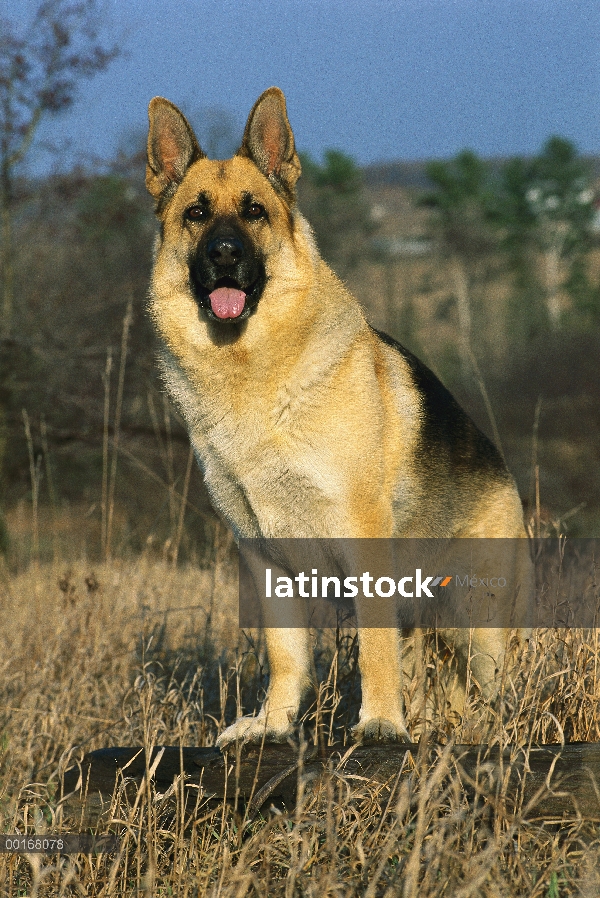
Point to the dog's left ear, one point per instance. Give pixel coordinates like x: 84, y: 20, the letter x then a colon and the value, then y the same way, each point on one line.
x: 269, y: 142
x: 172, y: 147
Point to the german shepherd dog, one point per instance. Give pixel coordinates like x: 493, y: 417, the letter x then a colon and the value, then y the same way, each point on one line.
x: 306, y: 421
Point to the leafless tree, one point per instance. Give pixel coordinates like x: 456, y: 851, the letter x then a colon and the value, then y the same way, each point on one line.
x: 41, y: 67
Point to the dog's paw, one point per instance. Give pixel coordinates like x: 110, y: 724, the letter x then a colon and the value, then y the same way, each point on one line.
x: 379, y: 729
x: 254, y: 729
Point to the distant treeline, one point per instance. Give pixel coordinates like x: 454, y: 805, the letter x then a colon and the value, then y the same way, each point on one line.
x: 414, y: 174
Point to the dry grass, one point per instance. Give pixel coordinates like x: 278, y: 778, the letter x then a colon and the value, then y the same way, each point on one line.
x: 138, y: 652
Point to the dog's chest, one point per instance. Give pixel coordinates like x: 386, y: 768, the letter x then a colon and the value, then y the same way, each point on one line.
x: 261, y: 468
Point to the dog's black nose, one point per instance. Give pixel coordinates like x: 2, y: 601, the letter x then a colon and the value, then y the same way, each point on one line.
x: 225, y: 251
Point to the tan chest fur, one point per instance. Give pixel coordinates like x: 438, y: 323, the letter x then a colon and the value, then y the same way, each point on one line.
x: 286, y: 441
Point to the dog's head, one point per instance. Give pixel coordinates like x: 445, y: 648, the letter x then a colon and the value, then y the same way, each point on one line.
x: 224, y: 219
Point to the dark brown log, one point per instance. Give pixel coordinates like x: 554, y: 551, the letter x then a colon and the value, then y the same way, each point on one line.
x: 546, y: 781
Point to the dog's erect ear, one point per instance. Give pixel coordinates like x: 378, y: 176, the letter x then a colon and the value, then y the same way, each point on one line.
x: 172, y: 147
x: 269, y: 142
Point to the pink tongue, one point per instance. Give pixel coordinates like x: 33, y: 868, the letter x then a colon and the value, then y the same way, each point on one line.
x: 226, y: 302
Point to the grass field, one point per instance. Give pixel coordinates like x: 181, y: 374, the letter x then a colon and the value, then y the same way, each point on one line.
x: 141, y: 652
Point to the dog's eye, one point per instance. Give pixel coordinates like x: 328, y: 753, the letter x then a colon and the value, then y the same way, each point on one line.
x: 255, y: 210
x: 195, y: 213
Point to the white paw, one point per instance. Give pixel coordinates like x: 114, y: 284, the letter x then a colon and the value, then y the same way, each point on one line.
x: 255, y: 729
x: 380, y: 729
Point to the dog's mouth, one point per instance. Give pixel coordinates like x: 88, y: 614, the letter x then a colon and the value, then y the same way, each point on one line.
x: 227, y: 300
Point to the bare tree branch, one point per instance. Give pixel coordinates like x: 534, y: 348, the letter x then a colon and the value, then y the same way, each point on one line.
x: 41, y: 69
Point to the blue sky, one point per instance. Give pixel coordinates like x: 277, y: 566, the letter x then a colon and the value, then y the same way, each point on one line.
x: 382, y: 80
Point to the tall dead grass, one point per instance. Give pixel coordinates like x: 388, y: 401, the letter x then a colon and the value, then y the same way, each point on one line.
x: 142, y: 652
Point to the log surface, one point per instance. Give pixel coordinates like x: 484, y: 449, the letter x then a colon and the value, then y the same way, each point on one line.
x: 554, y: 781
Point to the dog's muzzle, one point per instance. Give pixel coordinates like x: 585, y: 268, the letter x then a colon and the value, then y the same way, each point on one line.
x: 228, y: 277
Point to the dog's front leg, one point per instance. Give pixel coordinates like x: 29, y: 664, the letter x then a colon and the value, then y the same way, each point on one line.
x: 381, y: 717
x: 289, y: 676
x: 288, y: 650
